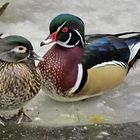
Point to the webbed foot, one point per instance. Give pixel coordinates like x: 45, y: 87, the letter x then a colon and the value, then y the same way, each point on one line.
x: 22, y: 117
x: 2, y: 121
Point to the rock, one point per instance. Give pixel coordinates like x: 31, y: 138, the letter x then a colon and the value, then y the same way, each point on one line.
x: 2, y: 9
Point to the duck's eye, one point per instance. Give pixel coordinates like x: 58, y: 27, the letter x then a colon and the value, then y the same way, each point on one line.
x: 20, y: 49
x: 65, y: 29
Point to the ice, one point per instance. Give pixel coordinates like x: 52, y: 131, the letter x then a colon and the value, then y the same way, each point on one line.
x: 31, y: 18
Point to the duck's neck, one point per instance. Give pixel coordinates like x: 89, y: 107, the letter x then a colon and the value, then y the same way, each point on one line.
x: 62, y: 66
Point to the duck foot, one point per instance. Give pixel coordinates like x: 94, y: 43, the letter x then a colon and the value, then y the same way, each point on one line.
x: 2, y: 121
x: 22, y: 117
x: 84, y: 100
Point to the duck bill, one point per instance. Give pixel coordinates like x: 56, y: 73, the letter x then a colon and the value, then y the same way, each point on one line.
x: 50, y: 39
x: 34, y: 56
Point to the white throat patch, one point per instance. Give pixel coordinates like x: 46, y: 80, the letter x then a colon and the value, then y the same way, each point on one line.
x: 65, y: 44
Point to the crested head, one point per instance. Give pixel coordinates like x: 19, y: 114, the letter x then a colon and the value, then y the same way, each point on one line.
x: 68, y: 23
x: 70, y: 20
x: 67, y: 30
x: 14, y: 40
x: 16, y: 48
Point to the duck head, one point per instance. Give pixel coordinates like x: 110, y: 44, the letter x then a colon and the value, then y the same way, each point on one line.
x: 66, y: 30
x: 16, y: 49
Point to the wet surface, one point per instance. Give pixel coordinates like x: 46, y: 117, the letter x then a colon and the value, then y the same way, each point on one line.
x: 121, y: 105
x: 128, y: 131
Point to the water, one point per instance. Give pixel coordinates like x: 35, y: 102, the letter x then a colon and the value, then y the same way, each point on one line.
x: 31, y: 19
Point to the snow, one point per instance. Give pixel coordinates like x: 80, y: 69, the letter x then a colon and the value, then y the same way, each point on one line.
x: 31, y: 19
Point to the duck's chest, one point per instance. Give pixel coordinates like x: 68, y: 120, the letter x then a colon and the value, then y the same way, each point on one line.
x: 59, y: 69
x: 18, y: 84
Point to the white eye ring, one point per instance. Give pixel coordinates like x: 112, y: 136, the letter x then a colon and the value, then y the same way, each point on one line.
x: 20, y: 49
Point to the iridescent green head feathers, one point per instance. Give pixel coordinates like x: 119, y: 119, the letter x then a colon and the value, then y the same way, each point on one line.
x: 72, y: 21
x: 67, y: 30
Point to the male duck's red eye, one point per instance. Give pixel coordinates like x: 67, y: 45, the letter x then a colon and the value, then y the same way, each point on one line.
x: 65, y: 29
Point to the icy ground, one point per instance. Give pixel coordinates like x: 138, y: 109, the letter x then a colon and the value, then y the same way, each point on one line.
x: 31, y: 18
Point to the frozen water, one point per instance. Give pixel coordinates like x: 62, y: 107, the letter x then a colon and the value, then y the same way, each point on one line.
x: 31, y: 18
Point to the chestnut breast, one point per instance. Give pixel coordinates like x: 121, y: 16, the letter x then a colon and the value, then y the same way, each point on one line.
x: 60, y: 67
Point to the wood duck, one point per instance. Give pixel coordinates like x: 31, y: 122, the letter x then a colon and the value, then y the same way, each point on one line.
x: 19, y: 80
x: 77, y: 67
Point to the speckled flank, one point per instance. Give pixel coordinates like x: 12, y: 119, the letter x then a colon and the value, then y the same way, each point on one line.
x: 20, y: 84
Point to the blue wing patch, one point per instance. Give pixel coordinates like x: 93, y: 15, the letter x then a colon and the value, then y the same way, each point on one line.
x: 105, y: 49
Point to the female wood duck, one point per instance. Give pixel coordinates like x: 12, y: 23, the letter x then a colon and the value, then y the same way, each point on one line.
x: 19, y: 80
x: 74, y: 69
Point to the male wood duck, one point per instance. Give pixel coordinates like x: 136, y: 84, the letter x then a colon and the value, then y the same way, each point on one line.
x: 74, y: 69
x: 19, y: 80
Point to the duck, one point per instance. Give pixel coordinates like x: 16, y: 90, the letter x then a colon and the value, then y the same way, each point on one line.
x: 19, y: 79
x: 79, y: 66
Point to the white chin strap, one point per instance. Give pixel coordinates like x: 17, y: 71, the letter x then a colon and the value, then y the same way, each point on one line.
x: 65, y: 44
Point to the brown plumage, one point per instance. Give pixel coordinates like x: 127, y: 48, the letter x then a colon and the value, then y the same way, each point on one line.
x: 19, y: 80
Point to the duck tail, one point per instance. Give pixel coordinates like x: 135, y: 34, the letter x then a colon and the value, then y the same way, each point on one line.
x: 133, y: 43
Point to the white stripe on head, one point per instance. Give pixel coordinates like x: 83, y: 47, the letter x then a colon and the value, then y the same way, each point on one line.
x: 82, y: 41
x: 58, y: 29
x: 68, y: 38
x: 65, y: 44
x: 70, y: 35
